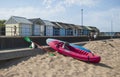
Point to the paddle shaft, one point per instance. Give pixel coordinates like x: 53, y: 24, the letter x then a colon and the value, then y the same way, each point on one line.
x: 41, y: 47
x: 38, y: 45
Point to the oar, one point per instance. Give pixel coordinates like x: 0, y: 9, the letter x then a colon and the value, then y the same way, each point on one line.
x: 30, y: 41
x: 33, y: 44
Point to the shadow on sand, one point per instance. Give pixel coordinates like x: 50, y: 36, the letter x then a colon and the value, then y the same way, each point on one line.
x: 103, y: 65
x: 100, y: 64
x: 11, y: 62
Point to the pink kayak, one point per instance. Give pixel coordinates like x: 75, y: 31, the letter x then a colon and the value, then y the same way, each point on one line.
x: 74, y: 52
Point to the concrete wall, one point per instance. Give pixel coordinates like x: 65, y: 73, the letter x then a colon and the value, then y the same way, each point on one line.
x: 12, y: 42
x: 19, y: 42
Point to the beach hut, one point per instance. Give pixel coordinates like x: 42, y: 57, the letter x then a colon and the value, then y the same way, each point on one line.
x: 69, y: 30
x: 74, y: 29
x: 49, y: 28
x: 95, y: 29
x: 79, y: 30
x: 61, y: 28
x: 56, y: 29
x: 65, y: 29
x: 18, y: 26
x: 38, y: 27
x: 86, y: 30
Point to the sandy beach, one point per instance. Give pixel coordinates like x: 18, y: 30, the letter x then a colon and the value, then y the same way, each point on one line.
x: 46, y: 65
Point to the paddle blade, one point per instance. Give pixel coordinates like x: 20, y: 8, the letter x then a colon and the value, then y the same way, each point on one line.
x: 33, y: 45
x: 30, y: 46
x: 27, y: 39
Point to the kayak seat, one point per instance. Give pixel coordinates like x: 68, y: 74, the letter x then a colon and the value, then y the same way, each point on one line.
x: 59, y: 45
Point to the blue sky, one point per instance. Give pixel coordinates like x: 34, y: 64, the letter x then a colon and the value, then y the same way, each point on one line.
x: 99, y: 13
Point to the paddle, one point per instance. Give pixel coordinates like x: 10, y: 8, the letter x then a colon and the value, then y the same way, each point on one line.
x: 33, y: 44
x: 30, y: 41
x: 27, y: 39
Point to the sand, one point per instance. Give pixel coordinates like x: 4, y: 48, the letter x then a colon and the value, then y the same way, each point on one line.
x: 63, y: 66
